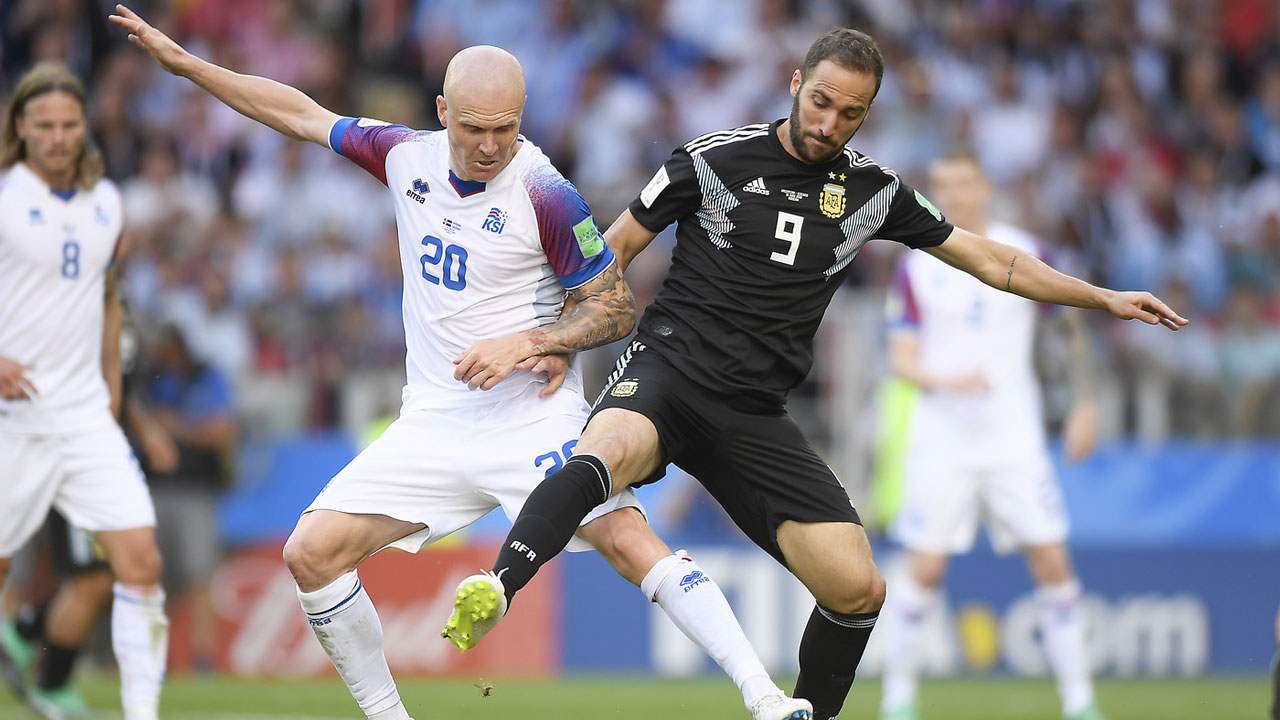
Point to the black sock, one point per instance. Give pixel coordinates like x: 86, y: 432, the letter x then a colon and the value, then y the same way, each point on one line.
x: 29, y: 622
x: 549, y: 519
x: 829, y: 655
x: 55, y: 666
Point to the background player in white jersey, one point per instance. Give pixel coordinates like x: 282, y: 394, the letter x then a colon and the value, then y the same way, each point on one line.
x: 976, y: 448
x: 60, y: 321
x: 491, y: 237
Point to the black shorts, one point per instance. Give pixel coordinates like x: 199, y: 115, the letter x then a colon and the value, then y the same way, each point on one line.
x: 71, y: 550
x: 759, y: 467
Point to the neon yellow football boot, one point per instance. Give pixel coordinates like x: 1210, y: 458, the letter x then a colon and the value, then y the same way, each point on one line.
x: 478, y: 605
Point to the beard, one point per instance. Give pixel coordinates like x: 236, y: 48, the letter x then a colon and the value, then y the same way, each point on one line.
x: 797, y: 137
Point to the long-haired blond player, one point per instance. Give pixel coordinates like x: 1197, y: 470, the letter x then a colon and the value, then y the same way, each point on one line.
x: 60, y: 318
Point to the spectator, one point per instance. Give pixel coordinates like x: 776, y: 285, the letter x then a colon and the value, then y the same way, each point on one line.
x: 192, y: 403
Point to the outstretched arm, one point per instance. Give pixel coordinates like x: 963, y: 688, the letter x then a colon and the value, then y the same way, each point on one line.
x: 604, y: 311
x: 280, y: 107
x: 1012, y: 270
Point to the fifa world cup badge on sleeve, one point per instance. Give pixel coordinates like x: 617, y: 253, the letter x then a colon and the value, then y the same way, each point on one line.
x: 655, y: 187
x: 588, y: 235
x: 924, y: 203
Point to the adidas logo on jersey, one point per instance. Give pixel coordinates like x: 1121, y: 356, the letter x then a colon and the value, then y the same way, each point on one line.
x: 756, y: 186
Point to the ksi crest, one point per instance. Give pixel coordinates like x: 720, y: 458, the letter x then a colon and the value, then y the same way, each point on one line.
x: 831, y: 202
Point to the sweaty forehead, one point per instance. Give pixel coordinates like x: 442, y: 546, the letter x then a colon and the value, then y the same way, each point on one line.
x: 487, y: 101
x: 486, y: 113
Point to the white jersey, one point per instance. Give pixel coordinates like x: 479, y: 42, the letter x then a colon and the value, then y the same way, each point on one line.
x: 480, y: 260
x: 54, y: 255
x: 965, y: 326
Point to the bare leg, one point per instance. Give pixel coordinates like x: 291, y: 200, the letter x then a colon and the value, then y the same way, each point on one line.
x: 139, y: 627
x: 1058, y: 594
x: 834, y: 561
x: 322, y: 553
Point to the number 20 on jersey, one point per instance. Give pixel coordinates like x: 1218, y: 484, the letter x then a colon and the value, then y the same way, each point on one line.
x: 444, y: 264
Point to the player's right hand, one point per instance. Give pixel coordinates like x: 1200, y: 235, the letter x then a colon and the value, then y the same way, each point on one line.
x: 14, y: 383
x: 1142, y: 306
x: 555, y: 367
x: 168, y: 53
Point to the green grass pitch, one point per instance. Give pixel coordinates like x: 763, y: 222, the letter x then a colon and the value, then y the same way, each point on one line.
x: 634, y: 698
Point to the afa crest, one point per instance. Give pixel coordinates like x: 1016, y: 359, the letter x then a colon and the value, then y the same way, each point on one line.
x: 831, y: 202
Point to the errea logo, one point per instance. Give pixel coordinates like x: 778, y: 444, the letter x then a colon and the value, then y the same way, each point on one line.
x: 693, y: 580
x: 418, y: 190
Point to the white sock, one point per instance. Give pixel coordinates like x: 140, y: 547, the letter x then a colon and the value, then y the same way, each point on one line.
x: 696, y: 605
x: 344, y: 621
x: 140, y: 639
x: 1062, y: 627
x: 908, y: 609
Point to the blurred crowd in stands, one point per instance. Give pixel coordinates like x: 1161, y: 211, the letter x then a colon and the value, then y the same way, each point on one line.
x: 1139, y: 139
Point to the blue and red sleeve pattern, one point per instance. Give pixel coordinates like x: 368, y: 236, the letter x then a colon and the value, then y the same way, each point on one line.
x: 574, y: 245
x: 366, y: 142
x: 904, y: 311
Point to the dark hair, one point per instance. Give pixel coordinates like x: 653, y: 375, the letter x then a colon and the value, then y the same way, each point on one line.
x: 848, y: 48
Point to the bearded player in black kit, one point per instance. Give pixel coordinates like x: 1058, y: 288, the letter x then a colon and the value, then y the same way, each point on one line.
x: 769, y: 218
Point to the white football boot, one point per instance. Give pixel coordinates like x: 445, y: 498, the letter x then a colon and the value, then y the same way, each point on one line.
x: 781, y: 707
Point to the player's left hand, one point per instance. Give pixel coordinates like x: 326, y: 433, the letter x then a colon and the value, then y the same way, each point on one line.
x: 1145, y: 307
x: 488, y: 362
x: 555, y: 367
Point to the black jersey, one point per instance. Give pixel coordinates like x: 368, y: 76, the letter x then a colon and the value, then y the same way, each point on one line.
x: 762, y: 243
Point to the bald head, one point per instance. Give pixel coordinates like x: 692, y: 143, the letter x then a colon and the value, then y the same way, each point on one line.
x: 480, y: 110
x: 484, y: 75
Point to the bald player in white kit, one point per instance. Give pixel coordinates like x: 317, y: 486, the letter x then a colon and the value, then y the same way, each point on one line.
x: 60, y: 320
x: 491, y: 238
x: 976, y: 451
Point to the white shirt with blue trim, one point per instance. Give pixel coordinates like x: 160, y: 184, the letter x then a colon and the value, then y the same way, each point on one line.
x: 480, y: 260
x: 54, y: 254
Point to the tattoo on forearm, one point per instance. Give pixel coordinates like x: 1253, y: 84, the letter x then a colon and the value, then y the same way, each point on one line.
x: 605, y: 312
x: 1008, y: 283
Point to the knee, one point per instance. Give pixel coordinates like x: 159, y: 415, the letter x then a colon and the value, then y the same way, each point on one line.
x: 1050, y: 565
x: 140, y: 566
x: 928, y: 571
x: 93, y: 589
x: 308, y: 561
x: 627, y: 543
x: 857, y: 594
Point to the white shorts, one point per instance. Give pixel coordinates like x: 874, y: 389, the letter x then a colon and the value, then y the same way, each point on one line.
x: 448, y: 468
x: 91, y: 477
x: 944, y: 502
